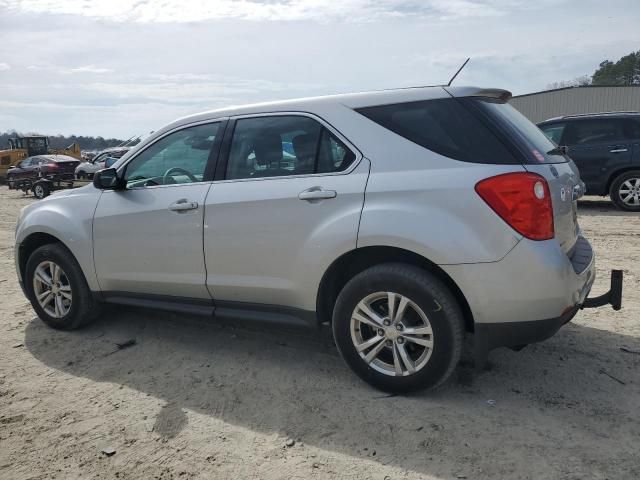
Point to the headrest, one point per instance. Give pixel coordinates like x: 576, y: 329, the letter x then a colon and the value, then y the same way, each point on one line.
x: 304, y: 145
x: 268, y: 149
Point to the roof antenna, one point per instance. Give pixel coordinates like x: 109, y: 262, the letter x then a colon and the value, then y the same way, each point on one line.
x: 459, y: 70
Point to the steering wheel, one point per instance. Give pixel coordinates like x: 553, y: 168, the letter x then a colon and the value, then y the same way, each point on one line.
x: 173, y: 170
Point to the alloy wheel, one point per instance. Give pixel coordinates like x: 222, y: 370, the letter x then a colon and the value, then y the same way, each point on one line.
x: 52, y: 289
x: 629, y: 192
x: 392, y: 334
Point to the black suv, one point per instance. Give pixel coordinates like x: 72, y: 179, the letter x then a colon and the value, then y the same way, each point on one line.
x: 606, y: 149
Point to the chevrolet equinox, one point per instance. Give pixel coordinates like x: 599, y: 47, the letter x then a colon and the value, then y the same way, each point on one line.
x: 404, y: 218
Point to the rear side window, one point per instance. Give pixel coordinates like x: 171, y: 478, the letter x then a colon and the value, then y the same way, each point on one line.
x: 586, y: 132
x: 534, y: 144
x: 444, y: 126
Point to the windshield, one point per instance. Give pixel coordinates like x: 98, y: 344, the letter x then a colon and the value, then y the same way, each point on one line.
x: 530, y: 136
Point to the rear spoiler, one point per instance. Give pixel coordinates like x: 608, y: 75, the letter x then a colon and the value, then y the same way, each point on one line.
x: 497, y: 93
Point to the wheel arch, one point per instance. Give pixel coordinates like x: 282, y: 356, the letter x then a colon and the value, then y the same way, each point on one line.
x: 616, y: 174
x: 29, y: 245
x: 359, y: 259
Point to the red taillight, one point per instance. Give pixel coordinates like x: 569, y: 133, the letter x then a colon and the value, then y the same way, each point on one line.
x: 522, y: 200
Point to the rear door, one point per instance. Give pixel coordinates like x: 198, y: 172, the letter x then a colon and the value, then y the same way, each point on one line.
x: 632, y: 127
x: 599, y: 147
x: 287, y: 204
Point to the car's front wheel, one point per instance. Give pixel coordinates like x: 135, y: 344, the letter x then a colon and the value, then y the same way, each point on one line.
x: 57, y: 288
x: 398, y: 327
x: 625, y: 191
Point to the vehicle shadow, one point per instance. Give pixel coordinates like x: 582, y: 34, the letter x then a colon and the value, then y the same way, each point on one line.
x: 598, y: 206
x: 547, y: 397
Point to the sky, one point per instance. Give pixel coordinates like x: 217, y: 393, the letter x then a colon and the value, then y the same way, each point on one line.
x: 122, y: 68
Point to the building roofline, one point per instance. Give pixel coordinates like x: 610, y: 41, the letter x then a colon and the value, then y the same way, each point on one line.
x: 571, y: 88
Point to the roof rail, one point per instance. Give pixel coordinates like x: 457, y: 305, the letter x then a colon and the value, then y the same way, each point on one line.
x: 601, y: 113
x: 578, y: 115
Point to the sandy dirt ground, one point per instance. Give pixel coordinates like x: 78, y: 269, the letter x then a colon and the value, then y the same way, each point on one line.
x: 194, y: 398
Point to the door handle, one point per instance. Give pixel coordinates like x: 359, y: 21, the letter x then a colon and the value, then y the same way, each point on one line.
x: 183, y: 205
x: 316, y: 193
x: 619, y: 150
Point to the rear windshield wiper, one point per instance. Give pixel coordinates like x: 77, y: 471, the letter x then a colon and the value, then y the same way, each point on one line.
x: 559, y: 150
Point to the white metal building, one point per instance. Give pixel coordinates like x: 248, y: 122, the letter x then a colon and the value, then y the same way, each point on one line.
x: 540, y: 106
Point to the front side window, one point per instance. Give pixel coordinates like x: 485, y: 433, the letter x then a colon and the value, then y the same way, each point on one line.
x: 282, y: 146
x: 586, y: 132
x: 554, y: 131
x: 180, y: 157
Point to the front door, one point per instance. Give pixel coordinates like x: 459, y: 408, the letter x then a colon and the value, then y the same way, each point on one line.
x: 148, y: 237
x: 287, y: 204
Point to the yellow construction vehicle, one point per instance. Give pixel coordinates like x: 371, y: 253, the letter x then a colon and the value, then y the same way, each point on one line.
x: 22, y: 147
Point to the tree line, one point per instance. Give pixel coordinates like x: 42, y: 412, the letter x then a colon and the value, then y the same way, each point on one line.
x: 625, y: 71
x: 62, y: 141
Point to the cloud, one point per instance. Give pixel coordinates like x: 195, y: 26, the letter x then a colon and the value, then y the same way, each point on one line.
x: 88, y: 69
x: 179, y: 11
x: 116, y: 68
x: 4, y: 66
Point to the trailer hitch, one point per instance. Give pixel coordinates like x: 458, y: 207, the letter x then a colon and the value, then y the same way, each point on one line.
x: 613, y: 296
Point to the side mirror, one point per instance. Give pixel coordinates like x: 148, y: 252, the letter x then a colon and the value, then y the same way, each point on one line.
x: 107, y: 179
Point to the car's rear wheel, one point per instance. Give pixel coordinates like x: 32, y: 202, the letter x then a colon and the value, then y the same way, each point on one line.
x: 398, y: 327
x: 625, y: 191
x: 41, y: 190
x: 57, y: 288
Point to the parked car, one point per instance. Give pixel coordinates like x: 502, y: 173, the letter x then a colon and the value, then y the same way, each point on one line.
x: 606, y: 149
x: 88, y: 168
x: 406, y: 219
x: 54, y: 168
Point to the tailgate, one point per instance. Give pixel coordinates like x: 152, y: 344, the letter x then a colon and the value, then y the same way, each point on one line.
x: 565, y: 187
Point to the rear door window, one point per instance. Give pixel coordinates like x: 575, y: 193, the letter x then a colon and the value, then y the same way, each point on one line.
x: 284, y: 145
x: 444, y: 126
x: 632, y: 128
x: 593, y: 131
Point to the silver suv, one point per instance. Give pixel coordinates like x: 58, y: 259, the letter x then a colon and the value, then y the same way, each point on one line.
x: 404, y: 218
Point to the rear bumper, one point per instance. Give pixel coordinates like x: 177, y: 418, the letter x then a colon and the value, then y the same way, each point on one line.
x: 517, y: 334
x: 536, y: 280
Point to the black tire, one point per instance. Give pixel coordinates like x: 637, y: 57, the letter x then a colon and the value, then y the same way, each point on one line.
x: 431, y: 296
x: 83, y: 308
x: 41, y: 190
x: 618, y: 184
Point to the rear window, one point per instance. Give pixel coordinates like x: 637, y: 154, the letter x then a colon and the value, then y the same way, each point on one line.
x: 518, y: 128
x: 445, y: 126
